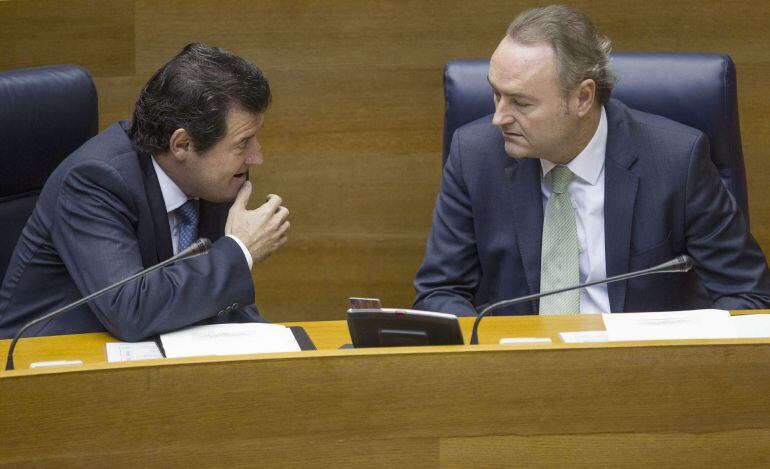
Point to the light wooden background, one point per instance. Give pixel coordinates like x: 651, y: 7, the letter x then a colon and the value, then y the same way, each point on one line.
x: 353, y: 138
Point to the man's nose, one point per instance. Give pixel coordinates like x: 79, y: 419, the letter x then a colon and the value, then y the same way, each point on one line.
x: 254, y: 155
x: 502, y: 115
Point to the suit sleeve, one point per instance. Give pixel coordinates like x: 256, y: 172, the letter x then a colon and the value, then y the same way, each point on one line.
x: 728, y: 261
x: 94, y: 232
x: 450, y: 274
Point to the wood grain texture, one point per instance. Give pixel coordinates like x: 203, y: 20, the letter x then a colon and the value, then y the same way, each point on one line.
x: 94, y: 34
x: 631, y: 450
x: 612, y: 405
x: 353, y: 138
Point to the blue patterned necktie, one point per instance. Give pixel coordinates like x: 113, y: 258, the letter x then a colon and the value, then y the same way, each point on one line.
x: 188, y: 227
x: 560, y: 261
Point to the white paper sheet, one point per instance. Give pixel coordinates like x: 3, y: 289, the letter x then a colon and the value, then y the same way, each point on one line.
x: 525, y: 340
x: 752, y: 326
x: 131, y: 351
x: 580, y: 337
x: 229, y: 339
x: 56, y: 363
x: 670, y: 325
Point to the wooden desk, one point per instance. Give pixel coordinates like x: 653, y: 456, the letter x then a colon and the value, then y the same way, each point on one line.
x: 685, y: 403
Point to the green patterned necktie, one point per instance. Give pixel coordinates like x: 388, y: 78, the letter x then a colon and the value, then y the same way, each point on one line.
x: 559, y: 261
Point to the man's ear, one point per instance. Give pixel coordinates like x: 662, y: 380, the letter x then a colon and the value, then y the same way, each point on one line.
x: 586, y: 96
x: 180, y: 145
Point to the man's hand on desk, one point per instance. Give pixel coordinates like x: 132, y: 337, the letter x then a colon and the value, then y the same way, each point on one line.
x: 262, y: 230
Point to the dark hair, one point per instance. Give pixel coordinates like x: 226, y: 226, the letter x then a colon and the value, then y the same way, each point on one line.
x: 581, y: 53
x: 194, y: 91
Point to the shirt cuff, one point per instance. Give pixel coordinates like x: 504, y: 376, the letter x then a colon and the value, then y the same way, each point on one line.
x: 246, y: 252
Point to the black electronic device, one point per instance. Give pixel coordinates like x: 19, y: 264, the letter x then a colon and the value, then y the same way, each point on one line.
x: 390, y: 327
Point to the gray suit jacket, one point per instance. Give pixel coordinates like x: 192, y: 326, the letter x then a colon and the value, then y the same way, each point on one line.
x: 100, y: 218
x: 663, y: 197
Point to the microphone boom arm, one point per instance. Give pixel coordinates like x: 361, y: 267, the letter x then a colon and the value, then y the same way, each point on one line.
x: 195, y: 249
x: 680, y: 264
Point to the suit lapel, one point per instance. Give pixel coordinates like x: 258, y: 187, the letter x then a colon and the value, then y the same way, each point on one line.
x: 620, y: 186
x: 527, y: 202
x: 163, y: 246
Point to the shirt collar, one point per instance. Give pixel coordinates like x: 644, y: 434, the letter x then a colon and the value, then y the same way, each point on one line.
x: 588, y: 164
x: 172, y: 194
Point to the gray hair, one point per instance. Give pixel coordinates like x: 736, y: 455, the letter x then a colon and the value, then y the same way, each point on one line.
x: 581, y: 53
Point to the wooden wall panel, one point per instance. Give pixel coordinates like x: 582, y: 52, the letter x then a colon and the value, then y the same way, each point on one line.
x: 353, y: 138
x: 754, y: 102
x: 95, y: 34
x: 313, y: 34
x: 117, y: 97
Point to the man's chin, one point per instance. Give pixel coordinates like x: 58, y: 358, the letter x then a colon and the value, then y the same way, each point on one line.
x: 232, y: 193
x: 517, y: 151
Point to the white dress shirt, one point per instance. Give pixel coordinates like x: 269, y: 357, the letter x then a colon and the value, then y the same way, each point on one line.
x: 586, y: 191
x: 175, y: 198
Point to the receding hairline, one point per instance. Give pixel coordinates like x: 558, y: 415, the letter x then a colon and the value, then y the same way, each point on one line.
x: 581, y: 51
x: 530, y: 45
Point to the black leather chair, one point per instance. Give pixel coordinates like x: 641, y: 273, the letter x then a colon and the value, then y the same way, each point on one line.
x: 698, y: 90
x: 45, y: 114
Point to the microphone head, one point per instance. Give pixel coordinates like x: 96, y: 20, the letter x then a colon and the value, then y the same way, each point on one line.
x: 681, y: 263
x: 200, y: 246
x: 686, y: 262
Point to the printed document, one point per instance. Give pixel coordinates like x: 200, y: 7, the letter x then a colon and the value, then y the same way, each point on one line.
x: 128, y: 351
x: 670, y: 325
x: 229, y: 339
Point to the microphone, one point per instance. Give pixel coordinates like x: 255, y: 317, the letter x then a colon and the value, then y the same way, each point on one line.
x: 197, y: 248
x: 682, y: 263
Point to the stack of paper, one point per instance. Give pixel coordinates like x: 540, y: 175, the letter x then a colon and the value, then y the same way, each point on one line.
x: 229, y: 339
x: 752, y: 326
x: 670, y: 325
x: 214, y: 339
x: 676, y: 325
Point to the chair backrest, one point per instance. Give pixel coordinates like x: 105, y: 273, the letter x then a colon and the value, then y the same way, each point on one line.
x: 698, y: 90
x: 45, y: 114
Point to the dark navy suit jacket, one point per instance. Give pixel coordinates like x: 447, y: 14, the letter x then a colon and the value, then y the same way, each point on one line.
x: 100, y: 218
x: 663, y: 197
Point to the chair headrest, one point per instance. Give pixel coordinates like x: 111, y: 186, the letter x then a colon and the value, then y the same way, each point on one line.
x: 46, y: 113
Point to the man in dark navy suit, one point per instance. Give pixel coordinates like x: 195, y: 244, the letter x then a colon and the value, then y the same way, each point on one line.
x: 563, y: 185
x: 143, y: 190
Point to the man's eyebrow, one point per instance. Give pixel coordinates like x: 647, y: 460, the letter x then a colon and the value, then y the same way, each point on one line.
x: 246, y: 137
x: 512, y: 95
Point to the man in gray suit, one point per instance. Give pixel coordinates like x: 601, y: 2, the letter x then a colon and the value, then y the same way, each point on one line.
x: 563, y: 185
x: 140, y: 192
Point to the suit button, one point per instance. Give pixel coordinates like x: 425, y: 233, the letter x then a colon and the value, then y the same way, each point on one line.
x: 234, y: 306
x: 221, y: 312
